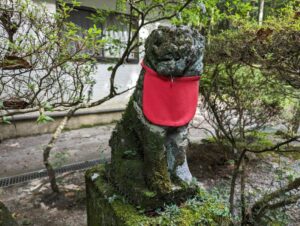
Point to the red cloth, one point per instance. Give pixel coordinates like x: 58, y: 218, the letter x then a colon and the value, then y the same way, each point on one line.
x: 169, y: 102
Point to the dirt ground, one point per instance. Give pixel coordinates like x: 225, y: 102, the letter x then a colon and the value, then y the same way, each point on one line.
x: 32, y: 204
x: 29, y: 203
x: 22, y: 155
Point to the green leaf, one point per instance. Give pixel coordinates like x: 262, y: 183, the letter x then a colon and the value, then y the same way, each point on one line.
x: 1, y: 104
x: 47, y: 106
x: 110, y: 68
x: 6, y: 120
x: 44, y: 119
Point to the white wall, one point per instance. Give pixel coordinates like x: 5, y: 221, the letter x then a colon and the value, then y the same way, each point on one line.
x: 102, y: 4
x: 126, y: 78
x: 51, y: 4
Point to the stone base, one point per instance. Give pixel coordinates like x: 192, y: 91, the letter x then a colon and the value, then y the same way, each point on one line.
x: 106, y: 207
x: 148, y: 200
x: 5, y: 217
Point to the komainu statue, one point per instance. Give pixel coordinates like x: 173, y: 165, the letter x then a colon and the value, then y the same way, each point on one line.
x: 148, y: 162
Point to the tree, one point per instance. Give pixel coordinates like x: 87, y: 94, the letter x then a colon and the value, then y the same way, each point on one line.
x: 250, y: 72
x: 261, y: 12
x: 273, y: 49
x: 238, y: 103
x: 45, y: 64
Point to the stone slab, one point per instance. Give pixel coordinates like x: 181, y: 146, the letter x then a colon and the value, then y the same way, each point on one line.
x: 5, y: 217
x: 106, y: 207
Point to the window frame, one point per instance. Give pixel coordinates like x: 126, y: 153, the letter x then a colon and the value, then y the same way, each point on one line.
x: 105, y: 59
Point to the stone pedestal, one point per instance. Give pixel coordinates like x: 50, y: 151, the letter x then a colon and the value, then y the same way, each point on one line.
x: 106, y: 207
x: 5, y: 217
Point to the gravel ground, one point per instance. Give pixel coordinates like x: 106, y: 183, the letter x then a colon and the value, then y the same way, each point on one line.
x: 22, y: 155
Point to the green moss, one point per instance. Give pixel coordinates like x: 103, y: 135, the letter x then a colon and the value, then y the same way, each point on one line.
x: 107, y: 207
x: 254, y: 140
x: 149, y: 194
x: 139, y: 161
x: 5, y: 217
x: 292, y: 155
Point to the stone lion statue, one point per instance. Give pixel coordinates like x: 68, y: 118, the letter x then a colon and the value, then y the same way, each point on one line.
x: 148, y: 162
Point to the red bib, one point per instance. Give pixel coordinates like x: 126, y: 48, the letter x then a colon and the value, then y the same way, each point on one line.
x: 169, y: 102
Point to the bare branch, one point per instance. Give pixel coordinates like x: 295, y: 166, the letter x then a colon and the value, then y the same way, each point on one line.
x: 170, y: 16
x: 277, y: 146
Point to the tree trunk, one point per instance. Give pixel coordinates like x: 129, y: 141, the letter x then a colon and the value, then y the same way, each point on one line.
x: 296, y: 119
x: 261, y: 12
x: 267, y: 202
x: 243, y: 198
x: 237, y: 163
x: 232, y: 189
x: 49, y: 168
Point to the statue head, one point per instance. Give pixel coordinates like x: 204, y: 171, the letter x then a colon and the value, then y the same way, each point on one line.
x: 175, y: 51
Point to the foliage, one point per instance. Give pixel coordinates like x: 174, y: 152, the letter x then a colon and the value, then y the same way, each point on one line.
x: 214, y: 16
x: 250, y: 81
x: 241, y: 99
x: 43, y: 57
x: 273, y: 48
x: 44, y: 118
x: 238, y: 102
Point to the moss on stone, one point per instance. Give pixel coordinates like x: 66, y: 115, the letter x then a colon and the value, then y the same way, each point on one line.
x: 150, y: 194
x: 139, y: 162
x: 107, y: 207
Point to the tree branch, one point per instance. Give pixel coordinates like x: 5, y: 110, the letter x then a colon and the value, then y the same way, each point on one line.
x: 170, y: 16
x: 277, y: 146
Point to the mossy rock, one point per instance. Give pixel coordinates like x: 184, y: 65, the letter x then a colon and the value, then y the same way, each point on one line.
x: 105, y: 206
x: 5, y: 217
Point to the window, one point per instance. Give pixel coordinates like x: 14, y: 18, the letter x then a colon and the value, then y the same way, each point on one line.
x: 115, y: 27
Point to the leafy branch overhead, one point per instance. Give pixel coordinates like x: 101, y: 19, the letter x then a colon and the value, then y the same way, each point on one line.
x: 273, y: 48
x: 41, y: 58
x: 251, y: 80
